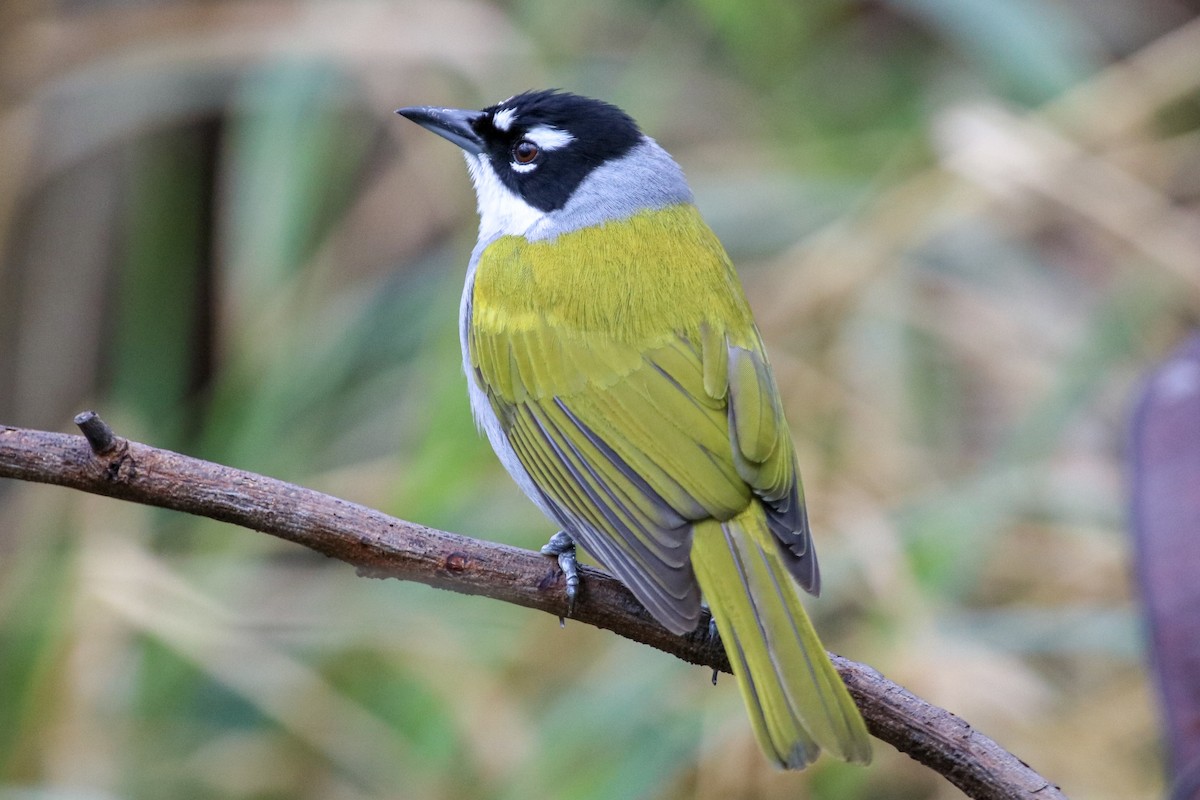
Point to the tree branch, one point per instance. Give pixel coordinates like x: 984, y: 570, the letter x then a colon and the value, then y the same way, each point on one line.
x: 385, y: 547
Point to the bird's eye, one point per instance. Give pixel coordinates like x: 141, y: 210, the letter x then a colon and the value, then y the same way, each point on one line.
x: 524, y: 151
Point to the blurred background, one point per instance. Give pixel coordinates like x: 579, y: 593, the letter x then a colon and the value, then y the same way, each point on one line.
x: 967, y: 229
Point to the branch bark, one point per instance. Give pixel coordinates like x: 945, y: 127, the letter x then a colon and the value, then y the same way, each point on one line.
x: 381, y: 546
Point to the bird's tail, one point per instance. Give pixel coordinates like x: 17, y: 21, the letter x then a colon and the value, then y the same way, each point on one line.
x: 796, y: 699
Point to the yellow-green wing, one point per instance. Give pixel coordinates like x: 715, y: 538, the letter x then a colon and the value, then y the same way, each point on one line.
x: 765, y: 457
x: 628, y: 462
x: 635, y: 418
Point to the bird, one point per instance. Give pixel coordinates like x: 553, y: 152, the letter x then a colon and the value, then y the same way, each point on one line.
x: 614, y: 365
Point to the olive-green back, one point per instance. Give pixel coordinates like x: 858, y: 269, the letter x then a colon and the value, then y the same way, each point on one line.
x: 634, y: 412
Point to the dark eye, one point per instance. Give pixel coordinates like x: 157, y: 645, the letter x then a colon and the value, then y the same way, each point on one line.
x: 524, y: 151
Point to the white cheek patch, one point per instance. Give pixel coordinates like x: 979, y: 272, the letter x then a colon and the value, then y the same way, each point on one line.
x: 504, y: 118
x: 548, y: 138
x: 501, y: 213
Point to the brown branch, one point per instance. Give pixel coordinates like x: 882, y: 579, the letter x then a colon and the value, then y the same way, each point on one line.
x: 385, y: 547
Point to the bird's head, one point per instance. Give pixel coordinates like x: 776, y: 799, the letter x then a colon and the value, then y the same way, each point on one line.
x: 531, y: 157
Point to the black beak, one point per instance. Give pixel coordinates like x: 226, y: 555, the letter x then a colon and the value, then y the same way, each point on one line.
x: 450, y: 123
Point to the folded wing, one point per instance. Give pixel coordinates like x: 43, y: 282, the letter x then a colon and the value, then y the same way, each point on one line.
x: 631, y: 444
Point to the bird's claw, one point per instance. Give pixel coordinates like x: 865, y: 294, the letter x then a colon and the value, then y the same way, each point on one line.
x: 563, y: 547
x: 714, y: 636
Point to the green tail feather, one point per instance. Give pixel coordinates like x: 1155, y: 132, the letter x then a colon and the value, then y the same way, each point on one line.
x: 797, y: 702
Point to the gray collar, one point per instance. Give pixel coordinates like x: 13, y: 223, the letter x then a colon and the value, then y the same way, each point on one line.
x: 645, y: 178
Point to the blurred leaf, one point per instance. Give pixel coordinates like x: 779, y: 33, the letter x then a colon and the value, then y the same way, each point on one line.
x: 162, y: 300
x: 1062, y: 632
x: 294, y: 155
x: 35, y: 598
x: 1032, y: 50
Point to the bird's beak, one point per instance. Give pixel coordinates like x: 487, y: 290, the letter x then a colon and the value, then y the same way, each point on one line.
x: 450, y: 123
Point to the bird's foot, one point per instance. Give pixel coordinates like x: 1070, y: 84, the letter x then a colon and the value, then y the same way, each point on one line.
x: 562, y: 546
x: 714, y: 637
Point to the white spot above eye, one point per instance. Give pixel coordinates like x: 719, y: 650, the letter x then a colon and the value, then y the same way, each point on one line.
x: 501, y: 212
x: 503, y: 119
x: 548, y: 138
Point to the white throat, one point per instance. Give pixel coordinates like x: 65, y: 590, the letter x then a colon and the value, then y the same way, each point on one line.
x: 501, y: 212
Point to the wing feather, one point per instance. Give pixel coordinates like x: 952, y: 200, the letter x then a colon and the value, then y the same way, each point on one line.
x: 652, y: 561
x: 766, y: 459
x: 632, y: 435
